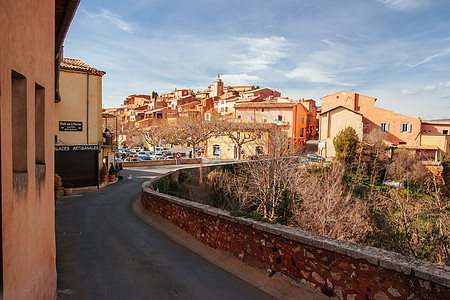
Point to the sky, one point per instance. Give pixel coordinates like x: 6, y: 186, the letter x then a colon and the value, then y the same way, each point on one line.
x: 397, y: 51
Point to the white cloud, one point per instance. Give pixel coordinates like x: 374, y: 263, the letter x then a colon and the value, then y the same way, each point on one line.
x: 328, y: 42
x: 106, y: 16
x: 408, y: 92
x: 429, y: 58
x: 404, y: 5
x: 240, y: 79
x: 314, y: 75
x: 429, y: 88
x: 259, y: 53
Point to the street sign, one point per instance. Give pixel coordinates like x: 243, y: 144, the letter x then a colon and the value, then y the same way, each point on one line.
x: 178, y: 155
x: 164, y: 154
x: 199, y: 153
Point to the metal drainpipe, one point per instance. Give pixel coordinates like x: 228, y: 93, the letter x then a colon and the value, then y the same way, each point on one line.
x: 87, y: 108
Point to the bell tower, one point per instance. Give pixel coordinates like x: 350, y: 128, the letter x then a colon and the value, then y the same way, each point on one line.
x: 218, y: 86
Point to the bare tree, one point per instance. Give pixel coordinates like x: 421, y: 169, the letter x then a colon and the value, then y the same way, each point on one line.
x: 132, y: 135
x: 241, y: 133
x: 324, y: 205
x: 156, y: 132
x: 193, y: 130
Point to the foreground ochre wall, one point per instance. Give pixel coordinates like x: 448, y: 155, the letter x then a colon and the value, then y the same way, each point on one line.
x: 27, y: 37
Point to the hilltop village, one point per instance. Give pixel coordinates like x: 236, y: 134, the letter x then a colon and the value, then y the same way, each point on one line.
x: 299, y: 119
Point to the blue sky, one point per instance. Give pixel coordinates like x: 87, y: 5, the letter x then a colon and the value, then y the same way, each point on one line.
x: 395, y: 50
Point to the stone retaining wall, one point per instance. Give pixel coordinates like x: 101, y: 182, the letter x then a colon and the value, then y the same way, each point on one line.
x: 337, y: 268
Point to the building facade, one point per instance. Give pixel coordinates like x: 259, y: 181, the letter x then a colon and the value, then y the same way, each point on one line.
x: 398, y: 130
x: 332, y: 122
x: 32, y: 33
x: 290, y: 115
x: 79, y: 143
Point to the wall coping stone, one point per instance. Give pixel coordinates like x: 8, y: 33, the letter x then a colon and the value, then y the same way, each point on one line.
x: 422, y: 269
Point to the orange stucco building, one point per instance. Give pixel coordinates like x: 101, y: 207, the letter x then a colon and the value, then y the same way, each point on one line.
x: 291, y: 115
x: 398, y: 129
x: 32, y: 33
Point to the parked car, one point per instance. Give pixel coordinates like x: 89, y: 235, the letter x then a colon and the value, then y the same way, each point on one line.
x: 168, y: 155
x: 314, y: 157
x: 157, y: 156
x: 160, y: 150
x: 143, y: 157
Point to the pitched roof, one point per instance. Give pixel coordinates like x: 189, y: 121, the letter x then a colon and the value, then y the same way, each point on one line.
x: 437, y: 122
x: 341, y: 106
x: 78, y: 65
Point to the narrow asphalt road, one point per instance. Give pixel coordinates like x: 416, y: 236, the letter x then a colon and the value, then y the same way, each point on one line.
x: 104, y: 251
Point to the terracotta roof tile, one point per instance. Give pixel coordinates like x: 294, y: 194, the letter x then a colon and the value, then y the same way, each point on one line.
x: 78, y: 65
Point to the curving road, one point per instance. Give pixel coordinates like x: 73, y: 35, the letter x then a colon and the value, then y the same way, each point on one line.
x: 104, y: 251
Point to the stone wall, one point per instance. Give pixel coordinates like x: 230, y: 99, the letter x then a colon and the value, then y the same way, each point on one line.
x: 337, y: 268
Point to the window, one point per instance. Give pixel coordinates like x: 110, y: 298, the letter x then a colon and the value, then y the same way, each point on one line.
x: 39, y: 110
x: 445, y: 131
x: 358, y: 108
x: 19, y: 122
x: 405, y: 127
x: 222, y: 110
x: 226, y: 109
x: 302, y: 132
x: 239, y: 116
x: 265, y: 120
x: 366, y: 125
x: 249, y: 117
x: 280, y: 118
x: 262, y: 109
x: 384, y: 127
x: 216, y: 150
x: 207, y: 117
x: 303, y: 120
x: 310, y: 119
x: 259, y: 150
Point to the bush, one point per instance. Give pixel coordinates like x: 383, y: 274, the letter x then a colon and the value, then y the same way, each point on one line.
x: 112, y: 170
x: 67, y: 185
x: 346, y: 144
